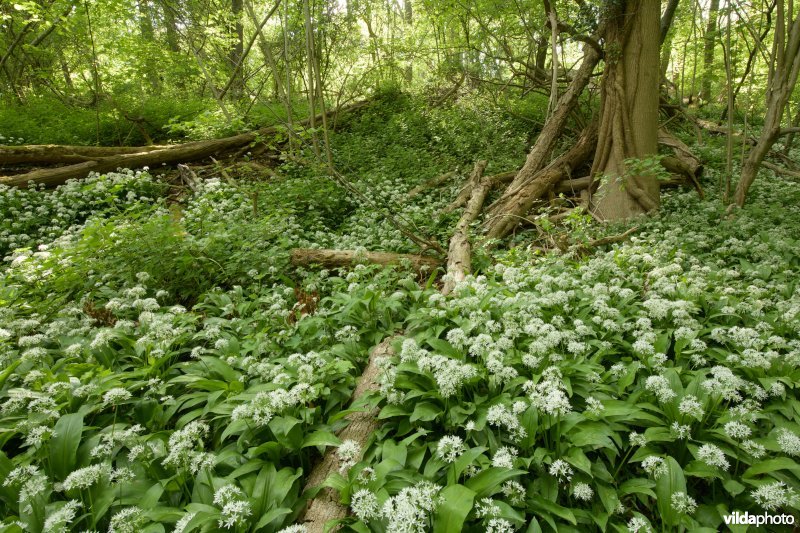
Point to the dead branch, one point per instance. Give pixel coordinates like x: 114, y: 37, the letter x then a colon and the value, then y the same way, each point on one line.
x: 466, y: 192
x: 459, y: 255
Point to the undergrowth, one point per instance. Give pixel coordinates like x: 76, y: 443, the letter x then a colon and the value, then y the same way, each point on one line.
x: 163, y: 367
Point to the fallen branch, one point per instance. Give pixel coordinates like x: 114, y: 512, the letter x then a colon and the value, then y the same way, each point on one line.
x: 459, y: 255
x: 466, y: 191
x: 342, y: 258
x: 431, y: 183
x: 145, y: 156
x: 780, y: 170
x: 324, y: 505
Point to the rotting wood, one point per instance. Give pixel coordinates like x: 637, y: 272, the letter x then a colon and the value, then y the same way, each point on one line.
x: 324, y: 505
x: 147, y: 156
x: 459, y: 255
x: 342, y: 258
x: 466, y: 191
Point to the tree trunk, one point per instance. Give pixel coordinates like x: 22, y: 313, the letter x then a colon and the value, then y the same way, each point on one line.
x: 237, y: 50
x: 782, y: 80
x: 710, y: 39
x: 628, y: 112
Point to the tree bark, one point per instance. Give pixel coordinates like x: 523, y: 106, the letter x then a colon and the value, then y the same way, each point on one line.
x: 628, y: 113
x: 710, y: 41
x: 459, y: 254
x: 783, y: 78
x: 517, y: 204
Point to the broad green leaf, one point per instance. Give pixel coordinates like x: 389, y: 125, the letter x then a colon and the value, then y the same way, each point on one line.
x: 451, y: 513
x: 666, y: 485
x: 485, y: 483
x: 63, y: 447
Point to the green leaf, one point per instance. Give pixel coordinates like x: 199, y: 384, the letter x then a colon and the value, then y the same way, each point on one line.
x: 770, y: 465
x: 487, y: 481
x: 425, y: 412
x: 63, y: 446
x: 321, y: 438
x: 456, y: 505
x: 666, y: 485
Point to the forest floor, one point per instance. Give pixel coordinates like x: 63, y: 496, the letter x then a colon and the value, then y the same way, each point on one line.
x: 164, y: 366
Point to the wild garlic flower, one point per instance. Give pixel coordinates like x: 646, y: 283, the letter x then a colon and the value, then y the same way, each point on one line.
x: 59, y: 521
x: 234, y: 508
x: 713, y: 456
x: 411, y: 509
x: 691, y: 406
x: 737, y: 430
x: 500, y: 415
x: 504, y: 457
x: 637, y: 439
x: 754, y: 449
x: 116, y: 396
x: 789, y: 442
x: 561, y: 470
x: 683, y: 503
x: 180, y: 525
x: 128, y: 520
x: 85, y: 477
x: 364, y: 505
x: 487, y: 508
x: 655, y: 466
x: 594, y: 406
x: 582, y: 491
x: 638, y: 525
x: 514, y: 491
x: 773, y: 496
x: 183, y: 444
x: 659, y: 386
x: 450, y: 448
x: 499, y: 525
x: 349, y: 453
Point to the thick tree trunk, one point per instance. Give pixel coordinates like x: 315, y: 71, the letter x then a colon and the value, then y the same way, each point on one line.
x: 629, y: 113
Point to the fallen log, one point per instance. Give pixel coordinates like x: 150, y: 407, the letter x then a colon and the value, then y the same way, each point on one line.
x: 466, y: 191
x: 324, y: 505
x: 780, y: 170
x: 148, y: 157
x: 459, y: 255
x: 515, y: 203
x: 342, y: 258
x: 51, y: 154
x: 431, y: 183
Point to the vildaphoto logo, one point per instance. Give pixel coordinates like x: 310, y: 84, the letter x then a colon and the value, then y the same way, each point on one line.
x: 746, y: 519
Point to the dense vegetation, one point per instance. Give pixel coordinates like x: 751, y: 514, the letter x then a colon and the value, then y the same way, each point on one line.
x: 166, y: 363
